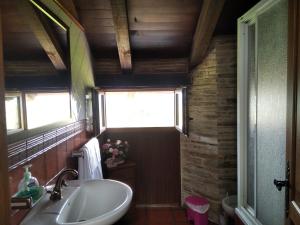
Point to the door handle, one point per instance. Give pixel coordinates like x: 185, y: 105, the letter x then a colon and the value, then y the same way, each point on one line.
x: 281, y: 183
x: 285, y: 183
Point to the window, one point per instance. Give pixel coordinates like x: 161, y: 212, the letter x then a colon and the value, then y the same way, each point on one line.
x: 13, y: 112
x: 146, y: 108
x: 140, y: 109
x: 46, y: 108
x: 39, y: 109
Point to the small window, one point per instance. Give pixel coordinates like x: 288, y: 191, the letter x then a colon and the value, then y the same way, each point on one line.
x: 46, y: 108
x: 13, y: 112
x: 140, y: 109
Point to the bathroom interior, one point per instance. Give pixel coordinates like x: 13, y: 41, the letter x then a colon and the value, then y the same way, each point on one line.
x: 149, y: 112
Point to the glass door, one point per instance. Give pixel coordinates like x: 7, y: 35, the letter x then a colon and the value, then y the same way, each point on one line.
x: 262, y: 102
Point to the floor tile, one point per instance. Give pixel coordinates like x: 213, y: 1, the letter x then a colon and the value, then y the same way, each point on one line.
x: 183, y: 223
x: 155, y: 216
x: 159, y: 216
x: 179, y: 215
x: 160, y: 223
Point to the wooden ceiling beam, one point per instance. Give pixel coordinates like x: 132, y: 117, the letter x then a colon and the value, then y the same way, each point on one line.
x: 143, y: 81
x: 70, y: 7
x: 28, y: 67
x: 44, y: 34
x: 119, y: 12
x: 208, y: 18
x: 157, y: 66
x: 55, y: 82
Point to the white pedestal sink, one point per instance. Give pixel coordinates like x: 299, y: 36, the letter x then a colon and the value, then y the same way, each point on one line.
x: 94, y: 202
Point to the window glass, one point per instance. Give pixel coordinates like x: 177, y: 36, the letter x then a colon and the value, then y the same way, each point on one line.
x: 46, y: 108
x: 251, y: 123
x: 13, y: 112
x: 140, y: 109
x: 102, y: 117
x: 178, y: 110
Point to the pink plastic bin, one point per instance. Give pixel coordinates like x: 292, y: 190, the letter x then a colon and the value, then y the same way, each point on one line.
x: 196, y: 216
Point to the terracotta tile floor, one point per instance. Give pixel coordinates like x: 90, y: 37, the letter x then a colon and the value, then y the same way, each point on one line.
x: 155, y: 216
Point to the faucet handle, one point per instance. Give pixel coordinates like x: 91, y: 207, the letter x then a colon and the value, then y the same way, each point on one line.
x: 48, y: 189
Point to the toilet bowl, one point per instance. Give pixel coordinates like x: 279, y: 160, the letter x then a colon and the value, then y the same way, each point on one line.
x: 229, y: 203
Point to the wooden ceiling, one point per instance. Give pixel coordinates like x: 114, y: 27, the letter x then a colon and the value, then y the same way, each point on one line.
x: 19, y: 40
x: 140, y: 37
x: 33, y: 46
x: 157, y: 30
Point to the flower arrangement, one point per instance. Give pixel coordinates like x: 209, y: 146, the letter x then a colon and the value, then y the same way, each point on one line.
x: 115, y: 152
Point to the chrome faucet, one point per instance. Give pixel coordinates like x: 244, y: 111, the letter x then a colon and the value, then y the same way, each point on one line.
x: 56, y: 193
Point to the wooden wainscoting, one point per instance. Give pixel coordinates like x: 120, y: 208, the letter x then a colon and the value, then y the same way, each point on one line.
x: 48, y: 164
x: 156, y: 152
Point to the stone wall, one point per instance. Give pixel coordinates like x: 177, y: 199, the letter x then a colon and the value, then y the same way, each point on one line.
x: 208, y: 155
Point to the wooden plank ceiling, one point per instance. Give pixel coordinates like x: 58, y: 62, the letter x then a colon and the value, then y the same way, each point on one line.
x: 139, y: 37
x: 160, y: 34
x: 32, y: 45
x: 165, y: 37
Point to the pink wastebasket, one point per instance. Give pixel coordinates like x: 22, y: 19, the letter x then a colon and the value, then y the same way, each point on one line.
x: 197, y: 210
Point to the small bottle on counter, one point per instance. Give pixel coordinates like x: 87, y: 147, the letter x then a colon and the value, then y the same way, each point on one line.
x: 29, y: 186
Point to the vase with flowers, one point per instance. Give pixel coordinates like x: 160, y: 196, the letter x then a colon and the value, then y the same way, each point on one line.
x: 115, y: 152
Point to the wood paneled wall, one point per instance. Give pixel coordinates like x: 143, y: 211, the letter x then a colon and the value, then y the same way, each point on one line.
x: 208, y: 155
x: 46, y: 167
x: 156, y: 154
x: 4, y: 199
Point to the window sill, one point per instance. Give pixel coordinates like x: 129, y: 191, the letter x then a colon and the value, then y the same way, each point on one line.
x: 11, y: 132
x: 246, y: 217
x: 23, y: 134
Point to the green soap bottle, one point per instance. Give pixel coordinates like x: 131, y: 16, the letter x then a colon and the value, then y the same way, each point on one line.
x: 29, y: 185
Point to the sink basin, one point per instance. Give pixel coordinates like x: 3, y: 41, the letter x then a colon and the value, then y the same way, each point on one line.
x: 229, y: 203
x: 94, y: 202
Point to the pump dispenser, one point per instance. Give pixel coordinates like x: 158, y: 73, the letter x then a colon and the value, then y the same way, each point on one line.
x: 29, y: 186
x: 27, y: 181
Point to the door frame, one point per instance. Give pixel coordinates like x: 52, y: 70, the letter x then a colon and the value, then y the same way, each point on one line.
x: 293, y: 101
x: 4, y: 187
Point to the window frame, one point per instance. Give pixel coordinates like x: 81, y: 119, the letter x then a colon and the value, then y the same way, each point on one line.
x: 183, y: 93
x: 102, y: 109
x: 103, y: 92
x: 19, y: 95
x: 25, y: 132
